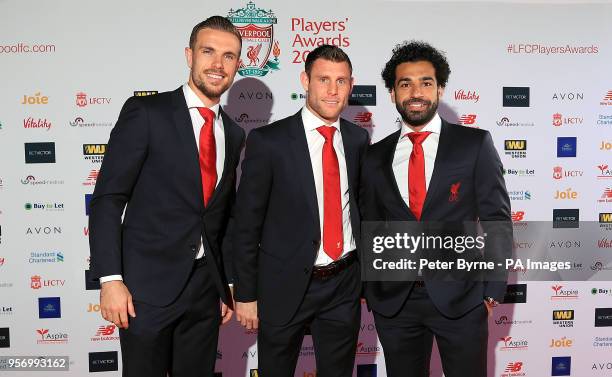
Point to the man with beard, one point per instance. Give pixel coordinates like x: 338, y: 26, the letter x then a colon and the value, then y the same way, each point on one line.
x: 297, y: 227
x: 431, y: 170
x: 172, y: 160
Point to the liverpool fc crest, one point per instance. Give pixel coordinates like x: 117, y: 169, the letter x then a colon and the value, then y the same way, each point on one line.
x: 256, y: 26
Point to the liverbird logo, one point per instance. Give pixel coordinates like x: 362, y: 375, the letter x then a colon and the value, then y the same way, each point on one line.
x: 35, y: 282
x: 557, y: 120
x: 253, y: 54
x: 454, y: 192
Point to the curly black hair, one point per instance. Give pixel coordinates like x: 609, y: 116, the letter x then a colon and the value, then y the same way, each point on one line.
x: 415, y: 51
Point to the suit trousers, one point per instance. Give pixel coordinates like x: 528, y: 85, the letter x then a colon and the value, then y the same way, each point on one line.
x: 407, y: 339
x: 331, y: 308
x: 179, y: 339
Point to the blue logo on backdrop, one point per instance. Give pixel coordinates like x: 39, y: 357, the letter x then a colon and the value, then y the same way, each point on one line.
x: 561, y: 366
x: 366, y: 370
x: 49, y: 307
x: 566, y: 146
x: 87, y: 201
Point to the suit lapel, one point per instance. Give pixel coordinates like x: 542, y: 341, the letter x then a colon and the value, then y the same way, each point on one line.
x: 184, y: 127
x: 390, y: 176
x: 303, y: 166
x: 439, y: 166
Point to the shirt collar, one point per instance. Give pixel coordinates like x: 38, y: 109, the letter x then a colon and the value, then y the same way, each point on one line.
x: 434, y: 126
x: 193, y: 101
x: 311, y: 122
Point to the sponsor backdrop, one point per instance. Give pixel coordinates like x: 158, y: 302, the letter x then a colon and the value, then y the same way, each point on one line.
x: 537, y: 76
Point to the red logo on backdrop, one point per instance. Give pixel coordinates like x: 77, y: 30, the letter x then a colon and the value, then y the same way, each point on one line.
x: 81, y: 99
x: 607, y: 100
x: 106, y: 330
x: 35, y: 282
x: 2, y: 262
x: 467, y: 119
x: 92, y: 178
x: 363, y: 117
x: 461, y: 95
x: 557, y: 288
x: 42, y: 332
x: 86, y: 231
x: 557, y: 121
x: 454, y: 192
x: 607, y: 194
x: 605, y: 171
x: 509, y: 344
x: 514, y: 367
x: 557, y: 172
x: 518, y: 215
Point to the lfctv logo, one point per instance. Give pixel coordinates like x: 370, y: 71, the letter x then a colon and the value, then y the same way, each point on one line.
x: 82, y: 100
x: 36, y: 282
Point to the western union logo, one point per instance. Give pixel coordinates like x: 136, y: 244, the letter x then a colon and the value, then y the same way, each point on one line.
x: 94, y: 149
x: 516, y: 145
x: 144, y: 93
x: 605, y: 217
x: 564, y: 315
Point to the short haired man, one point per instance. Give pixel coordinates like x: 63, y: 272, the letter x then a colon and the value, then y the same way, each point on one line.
x: 171, y: 164
x: 297, y: 227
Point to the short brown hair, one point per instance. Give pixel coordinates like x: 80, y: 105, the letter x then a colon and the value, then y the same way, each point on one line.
x: 327, y: 52
x: 215, y: 23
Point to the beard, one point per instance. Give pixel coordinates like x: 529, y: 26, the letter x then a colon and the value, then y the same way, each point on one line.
x: 212, y: 92
x: 417, y: 118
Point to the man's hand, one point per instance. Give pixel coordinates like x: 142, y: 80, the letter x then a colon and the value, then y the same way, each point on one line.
x: 116, y: 303
x: 226, y: 311
x: 246, y: 314
x: 489, y: 306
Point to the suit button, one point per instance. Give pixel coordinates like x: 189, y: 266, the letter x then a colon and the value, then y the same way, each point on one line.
x: 306, y: 270
x: 193, y: 247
